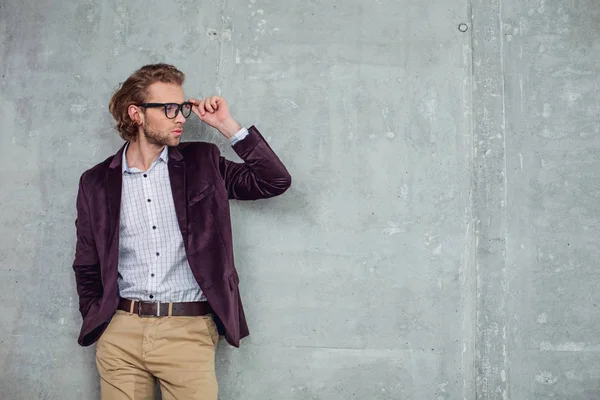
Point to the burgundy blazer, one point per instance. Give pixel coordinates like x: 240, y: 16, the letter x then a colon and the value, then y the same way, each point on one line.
x: 202, y: 181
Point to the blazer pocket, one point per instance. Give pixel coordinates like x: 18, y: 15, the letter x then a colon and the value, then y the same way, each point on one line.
x: 204, y: 193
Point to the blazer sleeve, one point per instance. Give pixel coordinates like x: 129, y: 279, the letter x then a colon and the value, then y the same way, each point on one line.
x: 86, y: 264
x: 260, y: 176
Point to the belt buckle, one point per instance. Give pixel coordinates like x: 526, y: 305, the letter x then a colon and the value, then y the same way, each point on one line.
x: 149, y: 315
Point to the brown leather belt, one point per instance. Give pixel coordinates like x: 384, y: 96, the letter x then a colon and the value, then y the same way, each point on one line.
x: 157, y: 309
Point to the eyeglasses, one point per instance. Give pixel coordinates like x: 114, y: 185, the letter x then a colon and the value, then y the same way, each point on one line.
x: 172, y: 109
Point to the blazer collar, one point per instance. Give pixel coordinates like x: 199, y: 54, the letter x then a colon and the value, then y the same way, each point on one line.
x: 117, y: 160
x: 177, y: 175
x: 175, y: 154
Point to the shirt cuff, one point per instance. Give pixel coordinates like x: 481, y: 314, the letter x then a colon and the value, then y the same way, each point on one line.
x: 239, y: 136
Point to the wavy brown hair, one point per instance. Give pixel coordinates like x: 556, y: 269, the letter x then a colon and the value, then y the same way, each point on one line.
x: 135, y: 90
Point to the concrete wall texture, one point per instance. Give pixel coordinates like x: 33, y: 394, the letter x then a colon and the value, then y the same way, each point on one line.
x: 439, y: 241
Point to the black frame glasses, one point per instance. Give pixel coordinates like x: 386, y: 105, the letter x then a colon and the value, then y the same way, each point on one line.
x: 185, y: 108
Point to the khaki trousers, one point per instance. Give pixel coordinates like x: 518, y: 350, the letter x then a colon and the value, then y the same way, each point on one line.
x: 178, y: 351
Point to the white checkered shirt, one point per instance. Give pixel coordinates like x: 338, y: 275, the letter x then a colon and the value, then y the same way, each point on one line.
x: 153, y: 265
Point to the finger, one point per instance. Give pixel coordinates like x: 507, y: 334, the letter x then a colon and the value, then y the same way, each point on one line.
x: 201, y: 107
x: 208, y: 106
x: 213, y: 102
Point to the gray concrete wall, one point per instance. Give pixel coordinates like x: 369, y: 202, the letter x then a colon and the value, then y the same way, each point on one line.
x: 439, y: 241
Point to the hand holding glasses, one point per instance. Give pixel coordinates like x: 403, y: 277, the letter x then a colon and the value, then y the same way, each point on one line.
x: 212, y: 110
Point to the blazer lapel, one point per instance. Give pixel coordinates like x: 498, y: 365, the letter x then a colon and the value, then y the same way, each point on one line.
x: 178, y: 188
x: 114, y: 183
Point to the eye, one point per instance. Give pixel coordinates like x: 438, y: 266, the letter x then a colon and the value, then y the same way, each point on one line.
x: 172, y: 107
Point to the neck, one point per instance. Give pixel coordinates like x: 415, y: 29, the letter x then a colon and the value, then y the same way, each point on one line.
x: 141, y: 154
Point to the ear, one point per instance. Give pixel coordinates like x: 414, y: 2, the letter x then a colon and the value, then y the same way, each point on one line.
x: 135, y: 113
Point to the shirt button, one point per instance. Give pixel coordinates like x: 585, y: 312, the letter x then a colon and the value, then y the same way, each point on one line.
x: 145, y: 176
x: 152, y: 275
x: 157, y: 254
x: 154, y: 227
x: 149, y: 200
x: 151, y: 296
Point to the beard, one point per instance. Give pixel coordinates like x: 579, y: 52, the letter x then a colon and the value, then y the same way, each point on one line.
x: 157, y: 138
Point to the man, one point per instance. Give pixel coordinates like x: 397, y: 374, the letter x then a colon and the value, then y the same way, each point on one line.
x: 154, y: 260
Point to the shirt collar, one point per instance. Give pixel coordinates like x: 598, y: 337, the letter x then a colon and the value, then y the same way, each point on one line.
x: 164, y: 156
